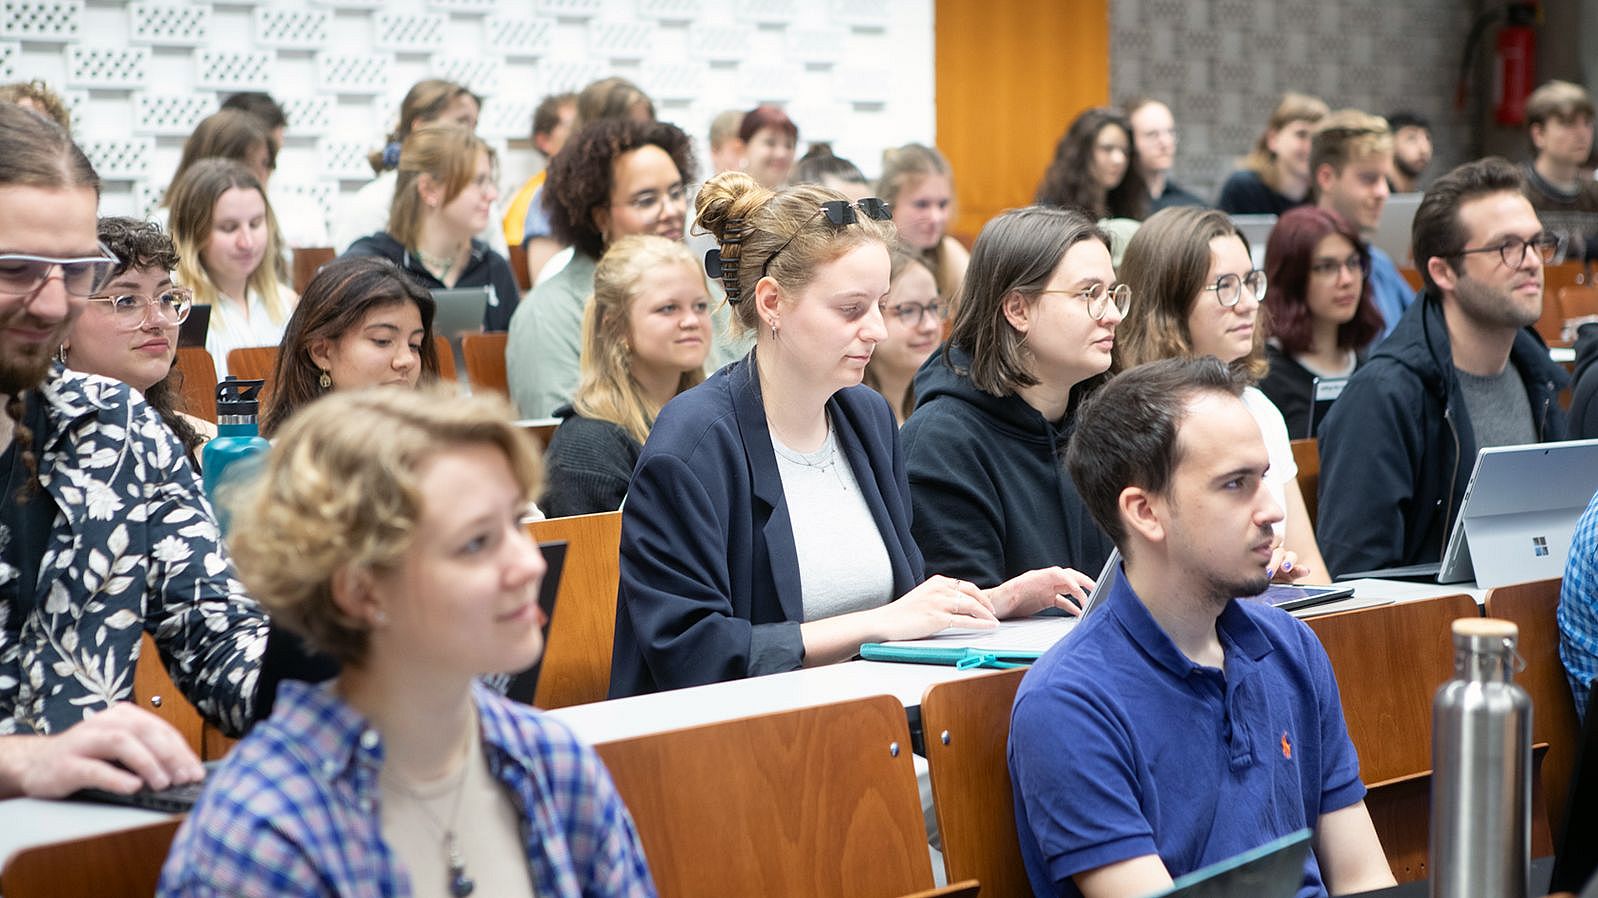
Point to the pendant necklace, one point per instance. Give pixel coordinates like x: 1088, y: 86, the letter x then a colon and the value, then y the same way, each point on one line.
x: 460, y: 884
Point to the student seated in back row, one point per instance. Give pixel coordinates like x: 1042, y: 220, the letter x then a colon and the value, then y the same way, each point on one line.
x: 406, y: 558
x: 1462, y: 371
x: 1179, y: 725
x: 768, y: 522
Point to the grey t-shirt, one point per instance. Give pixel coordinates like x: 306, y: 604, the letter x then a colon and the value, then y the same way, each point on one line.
x: 843, y: 563
x: 1500, y: 412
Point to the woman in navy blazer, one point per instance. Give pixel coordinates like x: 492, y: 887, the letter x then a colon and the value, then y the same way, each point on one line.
x: 711, y: 585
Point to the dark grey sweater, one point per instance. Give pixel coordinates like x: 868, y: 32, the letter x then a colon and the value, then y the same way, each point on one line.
x: 590, y: 463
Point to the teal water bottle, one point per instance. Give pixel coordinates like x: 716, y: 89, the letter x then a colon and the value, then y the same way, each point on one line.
x: 238, y: 448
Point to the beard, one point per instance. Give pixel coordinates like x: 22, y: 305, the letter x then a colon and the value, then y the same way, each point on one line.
x: 24, y: 370
x: 1409, y: 169
x: 1492, y: 306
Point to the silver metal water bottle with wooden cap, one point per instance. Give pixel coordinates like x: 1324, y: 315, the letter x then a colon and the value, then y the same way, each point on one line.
x: 1481, y: 769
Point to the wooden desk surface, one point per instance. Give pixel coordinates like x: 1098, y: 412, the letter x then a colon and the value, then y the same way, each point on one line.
x: 25, y: 822
x: 674, y: 709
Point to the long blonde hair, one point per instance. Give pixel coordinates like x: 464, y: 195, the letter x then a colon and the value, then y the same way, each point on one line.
x: 608, y: 391
x: 193, y: 199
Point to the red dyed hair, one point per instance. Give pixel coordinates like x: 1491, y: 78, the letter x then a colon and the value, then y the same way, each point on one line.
x: 766, y: 117
x: 1288, y: 255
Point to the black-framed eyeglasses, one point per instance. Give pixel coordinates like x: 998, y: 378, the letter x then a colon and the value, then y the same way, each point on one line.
x: 1229, y: 287
x: 911, y: 314
x: 839, y: 214
x: 1327, y: 269
x: 132, y: 310
x: 1099, y: 297
x: 1513, y: 249
x: 22, y: 274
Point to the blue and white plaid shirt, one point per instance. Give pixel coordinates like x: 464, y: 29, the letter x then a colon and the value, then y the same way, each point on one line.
x: 294, y: 808
x: 1578, y: 607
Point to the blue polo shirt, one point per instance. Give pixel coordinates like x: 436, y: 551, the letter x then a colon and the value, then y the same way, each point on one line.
x: 1122, y: 747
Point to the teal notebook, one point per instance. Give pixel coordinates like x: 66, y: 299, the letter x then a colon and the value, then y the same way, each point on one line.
x: 1273, y: 870
x: 961, y: 657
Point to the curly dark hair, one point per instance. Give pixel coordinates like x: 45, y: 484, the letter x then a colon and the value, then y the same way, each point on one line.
x: 580, y: 175
x: 1069, y: 179
x: 141, y: 244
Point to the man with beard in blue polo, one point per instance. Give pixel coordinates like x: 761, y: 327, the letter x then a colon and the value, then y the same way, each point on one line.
x: 1178, y: 726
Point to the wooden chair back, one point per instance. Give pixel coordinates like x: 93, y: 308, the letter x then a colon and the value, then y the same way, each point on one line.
x: 485, y: 361
x: 252, y: 362
x: 122, y: 864
x: 1307, y: 456
x: 1578, y: 302
x: 818, y: 802
x: 154, y: 691
x: 1531, y: 607
x: 967, y: 732
x: 446, y: 358
x: 1565, y: 274
x: 1400, y: 810
x: 576, y: 667
x: 307, y: 259
x: 198, y: 370
x: 1389, y: 661
x: 517, y: 257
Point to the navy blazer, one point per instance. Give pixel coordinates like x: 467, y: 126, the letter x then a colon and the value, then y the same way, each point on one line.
x: 709, y: 573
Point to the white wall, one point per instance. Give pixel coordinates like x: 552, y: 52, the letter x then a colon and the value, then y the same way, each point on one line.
x: 140, y: 75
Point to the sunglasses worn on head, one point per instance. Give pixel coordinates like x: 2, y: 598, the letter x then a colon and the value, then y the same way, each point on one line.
x: 839, y: 214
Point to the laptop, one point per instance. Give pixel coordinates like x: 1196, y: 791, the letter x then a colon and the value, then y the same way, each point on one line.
x: 1286, y: 596
x: 196, y: 327
x: 1394, y: 228
x: 1256, y: 231
x: 1273, y: 870
x: 1515, y: 523
x: 460, y: 311
x: 524, y: 686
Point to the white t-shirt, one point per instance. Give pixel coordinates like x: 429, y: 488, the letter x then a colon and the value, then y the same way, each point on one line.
x: 843, y: 563
x: 228, y: 332
x: 1278, y: 446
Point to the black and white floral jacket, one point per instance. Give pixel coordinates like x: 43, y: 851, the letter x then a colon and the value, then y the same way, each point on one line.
x: 134, y: 548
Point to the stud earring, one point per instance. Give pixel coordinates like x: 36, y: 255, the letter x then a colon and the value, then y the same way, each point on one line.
x: 325, y: 381
x: 379, y: 617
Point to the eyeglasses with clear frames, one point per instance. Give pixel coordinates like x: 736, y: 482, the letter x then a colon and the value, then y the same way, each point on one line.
x: 132, y: 310
x: 1328, y: 269
x: 1098, y: 297
x: 1513, y: 249
x: 649, y: 203
x: 22, y: 274
x: 1229, y: 287
x: 911, y: 314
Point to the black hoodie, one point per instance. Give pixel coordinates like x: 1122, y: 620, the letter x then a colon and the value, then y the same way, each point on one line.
x: 988, y: 484
x: 1584, y: 395
x: 1397, y: 447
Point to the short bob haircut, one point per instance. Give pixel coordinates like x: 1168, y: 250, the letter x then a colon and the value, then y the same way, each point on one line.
x: 1288, y: 256
x: 751, y: 223
x: 1293, y: 107
x: 447, y: 154
x: 1017, y: 252
x: 1069, y: 180
x: 1166, y: 264
x: 1128, y: 432
x: 333, y: 499
x: 582, y: 174
x: 336, y: 300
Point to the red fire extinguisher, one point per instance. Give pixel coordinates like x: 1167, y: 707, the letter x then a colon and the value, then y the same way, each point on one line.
x: 1515, y: 64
